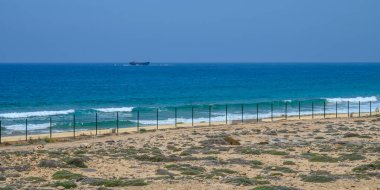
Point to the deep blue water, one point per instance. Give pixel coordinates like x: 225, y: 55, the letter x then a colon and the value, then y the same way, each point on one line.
x: 29, y: 90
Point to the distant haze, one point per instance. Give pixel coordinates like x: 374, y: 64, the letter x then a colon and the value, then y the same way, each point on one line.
x: 189, y: 31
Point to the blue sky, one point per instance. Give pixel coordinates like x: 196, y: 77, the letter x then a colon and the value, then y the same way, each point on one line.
x: 189, y: 30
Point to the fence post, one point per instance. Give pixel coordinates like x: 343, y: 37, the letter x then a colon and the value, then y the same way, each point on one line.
x: 336, y: 109
x: 157, y: 118
x: 117, y: 122
x: 312, y: 110
x: 359, y: 108
x: 257, y: 112
x: 192, y: 116
x: 50, y: 130
x: 138, y: 120
x: 286, y: 110
x: 242, y: 113
x: 209, y: 115
x: 299, y: 109
x: 26, y: 129
x: 175, y: 116
x: 370, y: 108
x: 348, y: 108
x: 271, y: 111
x: 74, y: 125
x: 226, y: 114
x: 0, y: 131
x: 96, y: 123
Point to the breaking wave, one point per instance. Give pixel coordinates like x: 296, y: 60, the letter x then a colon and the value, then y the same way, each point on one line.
x: 121, y: 109
x: 20, y: 127
x: 16, y: 115
x: 357, y: 99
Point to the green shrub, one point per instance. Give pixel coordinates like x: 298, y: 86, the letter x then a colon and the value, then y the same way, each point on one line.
x: 247, y: 150
x: 113, y: 183
x: 314, y: 157
x: 351, y: 157
x: 121, y: 183
x: 274, y: 188
x: 279, y: 169
x: 78, y: 162
x: 222, y: 172
x: 6, y: 188
x: 318, y: 178
x: 33, y: 179
x: 256, y: 163
x: 64, y: 174
x: 143, y: 130
x: 288, y: 162
x: 65, y: 184
x: 245, y: 181
x: 173, y: 148
x: 49, y: 140
x: 372, y: 166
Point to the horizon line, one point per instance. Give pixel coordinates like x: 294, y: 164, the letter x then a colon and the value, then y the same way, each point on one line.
x: 208, y: 62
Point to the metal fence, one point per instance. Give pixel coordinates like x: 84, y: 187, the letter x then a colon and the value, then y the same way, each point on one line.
x: 189, y: 116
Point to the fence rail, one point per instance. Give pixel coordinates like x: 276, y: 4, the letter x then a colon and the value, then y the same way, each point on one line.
x: 247, y: 112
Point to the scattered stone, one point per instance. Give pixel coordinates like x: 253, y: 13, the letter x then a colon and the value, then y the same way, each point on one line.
x: 49, y: 164
x: 85, y: 145
x: 76, y: 161
x: 349, y: 135
x: 89, y: 170
x: 110, y: 141
x: 270, y: 132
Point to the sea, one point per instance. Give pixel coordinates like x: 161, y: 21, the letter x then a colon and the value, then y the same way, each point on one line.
x: 109, y: 95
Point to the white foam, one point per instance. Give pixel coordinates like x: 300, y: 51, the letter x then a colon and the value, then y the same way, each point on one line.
x: 20, y: 127
x: 357, y: 99
x: 121, y: 109
x: 15, y: 115
x: 287, y: 100
x: 219, y: 118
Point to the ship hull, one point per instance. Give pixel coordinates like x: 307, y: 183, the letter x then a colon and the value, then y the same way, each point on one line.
x: 139, y: 63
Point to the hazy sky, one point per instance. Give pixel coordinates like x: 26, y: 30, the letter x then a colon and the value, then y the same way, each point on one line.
x: 189, y: 30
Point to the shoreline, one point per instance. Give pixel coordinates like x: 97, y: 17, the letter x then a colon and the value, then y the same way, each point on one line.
x: 109, y: 132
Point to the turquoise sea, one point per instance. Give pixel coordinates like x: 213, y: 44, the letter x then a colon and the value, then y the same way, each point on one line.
x: 38, y: 92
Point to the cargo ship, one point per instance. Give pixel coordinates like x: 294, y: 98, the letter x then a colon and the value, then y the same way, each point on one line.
x: 139, y: 63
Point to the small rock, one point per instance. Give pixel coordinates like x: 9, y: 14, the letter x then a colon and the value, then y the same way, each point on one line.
x: 89, y: 170
x: 271, y: 132
x: 348, y: 135
x: 110, y: 141
x: 49, y: 164
x: 13, y: 175
x: 85, y: 145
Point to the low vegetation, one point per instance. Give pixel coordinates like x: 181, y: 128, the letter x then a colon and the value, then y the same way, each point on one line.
x: 65, y: 174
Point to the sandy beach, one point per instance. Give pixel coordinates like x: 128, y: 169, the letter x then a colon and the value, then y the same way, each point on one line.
x: 328, y: 153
